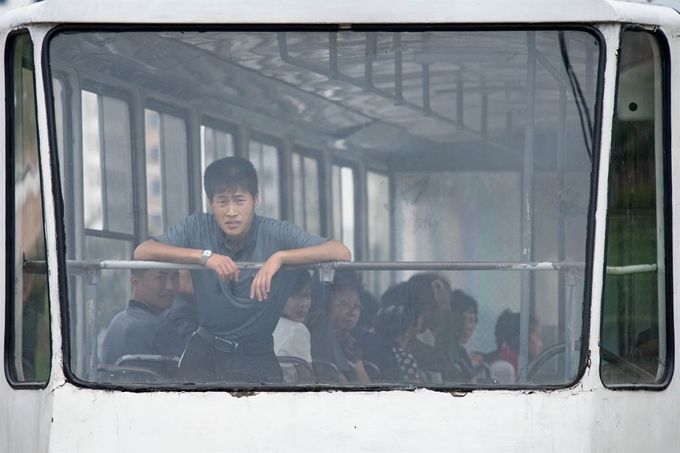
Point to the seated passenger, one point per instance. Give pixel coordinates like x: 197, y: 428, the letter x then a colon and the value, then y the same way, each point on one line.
x: 425, y: 294
x: 400, y: 325
x: 291, y: 337
x: 141, y: 328
x: 183, y: 311
x: 434, y: 291
x: 455, y: 329
x: 504, y: 362
x: 330, y: 327
x: 374, y: 347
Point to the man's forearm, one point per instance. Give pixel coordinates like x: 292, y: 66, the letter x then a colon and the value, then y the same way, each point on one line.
x: 332, y: 250
x: 157, y: 251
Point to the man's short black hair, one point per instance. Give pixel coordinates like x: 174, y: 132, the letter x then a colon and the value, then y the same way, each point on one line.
x: 228, y: 175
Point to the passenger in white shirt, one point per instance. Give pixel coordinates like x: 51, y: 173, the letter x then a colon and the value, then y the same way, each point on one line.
x: 291, y: 337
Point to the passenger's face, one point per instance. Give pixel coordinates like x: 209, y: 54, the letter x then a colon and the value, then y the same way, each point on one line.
x: 469, y: 325
x: 298, y: 305
x: 345, y: 308
x: 535, y: 343
x: 234, y: 212
x: 156, y: 288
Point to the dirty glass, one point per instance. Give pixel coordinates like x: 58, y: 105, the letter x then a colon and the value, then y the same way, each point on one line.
x: 635, y: 349
x: 28, y: 315
x: 455, y: 166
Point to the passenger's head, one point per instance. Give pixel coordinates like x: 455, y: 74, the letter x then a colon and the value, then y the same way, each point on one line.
x: 231, y: 187
x: 507, y: 333
x: 155, y: 288
x: 427, y: 294
x: 230, y: 174
x: 398, y: 323
x: 465, y: 308
x: 300, y: 299
x: 343, y: 303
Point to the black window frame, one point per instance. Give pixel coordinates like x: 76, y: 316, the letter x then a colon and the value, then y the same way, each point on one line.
x: 590, y: 29
x: 10, y: 245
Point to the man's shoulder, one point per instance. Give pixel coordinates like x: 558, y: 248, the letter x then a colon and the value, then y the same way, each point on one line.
x: 268, y: 223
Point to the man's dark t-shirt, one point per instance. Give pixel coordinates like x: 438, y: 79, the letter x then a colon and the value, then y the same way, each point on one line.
x: 226, y: 309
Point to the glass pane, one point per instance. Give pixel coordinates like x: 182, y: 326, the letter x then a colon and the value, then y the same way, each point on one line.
x: 28, y: 339
x: 118, y: 156
x: 379, y: 239
x: 343, y: 205
x: 154, y: 182
x: 265, y: 158
x: 305, y: 184
x: 311, y: 202
x: 634, y: 347
x: 298, y: 191
x: 175, y: 164
x: 481, y: 147
x: 92, y: 162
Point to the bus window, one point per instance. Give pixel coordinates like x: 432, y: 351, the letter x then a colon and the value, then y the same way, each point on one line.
x: 265, y: 158
x: 635, y: 349
x: 306, y: 208
x: 28, y: 320
x: 455, y: 165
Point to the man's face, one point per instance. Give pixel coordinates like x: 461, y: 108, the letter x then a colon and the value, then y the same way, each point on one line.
x: 234, y: 212
x: 156, y: 288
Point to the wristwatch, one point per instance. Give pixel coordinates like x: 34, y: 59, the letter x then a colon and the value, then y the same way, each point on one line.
x: 204, y: 257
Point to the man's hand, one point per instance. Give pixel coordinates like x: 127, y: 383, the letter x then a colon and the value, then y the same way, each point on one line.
x: 263, y: 279
x: 224, y: 266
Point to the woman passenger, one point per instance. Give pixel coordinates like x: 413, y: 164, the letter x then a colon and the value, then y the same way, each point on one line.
x: 291, y: 337
x: 504, y: 362
x: 400, y: 325
x: 331, y: 326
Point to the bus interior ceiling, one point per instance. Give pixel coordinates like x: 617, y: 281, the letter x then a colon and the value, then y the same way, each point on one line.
x: 451, y: 117
x: 353, y: 92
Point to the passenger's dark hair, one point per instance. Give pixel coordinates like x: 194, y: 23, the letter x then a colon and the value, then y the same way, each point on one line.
x: 369, y: 309
x: 420, y: 292
x: 507, y: 329
x: 302, y: 280
x: 462, y: 302
x: 322, y: 293
x: 397, y: 314
x: 230, y: 174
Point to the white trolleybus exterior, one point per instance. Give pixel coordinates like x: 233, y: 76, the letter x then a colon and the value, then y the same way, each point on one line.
x: 502, y: 173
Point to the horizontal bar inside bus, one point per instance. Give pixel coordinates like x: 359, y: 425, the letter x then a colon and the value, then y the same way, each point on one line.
x: 86, y: 265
